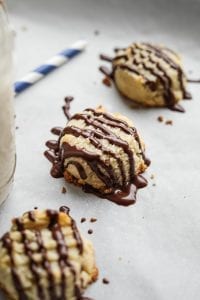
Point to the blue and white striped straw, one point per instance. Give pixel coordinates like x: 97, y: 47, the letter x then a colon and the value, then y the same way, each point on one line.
x: 49, y: 66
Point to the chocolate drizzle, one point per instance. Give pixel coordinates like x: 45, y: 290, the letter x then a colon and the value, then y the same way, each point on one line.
x: 119, y: 49
x: 125, y: 196
x: 62, y: 250
x: 154, y: 54
x: 177, y: 107
x: 64, y: 260
x: 106, y: 57
x: 120, y: 189
x: 65, y: 209
x: 7, y: 243
x: 193, y: 80
x: 46, y: 265
x: 106, y: 71
x: 165, y: 80
x: 76, y: 233
x: 31, y: 215
x: 53, y: 154
x: 33, y: 265
x: 66, y: 107
x: 157, y: 51
x: 79, y: 167
x: 57, y: 130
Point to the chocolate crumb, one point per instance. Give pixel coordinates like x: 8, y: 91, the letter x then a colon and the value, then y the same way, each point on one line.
x: 83, y: 220
x: 152, y: 176
x: 169, y: 122
x: 107, y: 81
x: 64, y: 190
x: 93, y: 220
x: 17, y: 127
x: 35, y: 207
x: 96, y: 32
x: 160, y: 119
x: 90, y: 231
x: 105, y: 281
x: 153, y: 184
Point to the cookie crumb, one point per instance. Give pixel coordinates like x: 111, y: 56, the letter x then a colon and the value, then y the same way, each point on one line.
x: 93, y: 220
x: 152, y: 176
x: 17, y: 127
x: 96, y: 32
x: 153, y: 184
x: 35, y: 207
x: 90, y: 231
x: 107, y: 81
x: 64, y: 190
x: 105, y: 281
x: 160, y: 119
x: 83, y: 220
x: 169, y: 122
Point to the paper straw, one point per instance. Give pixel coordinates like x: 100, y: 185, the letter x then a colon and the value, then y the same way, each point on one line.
x: 49, y: 66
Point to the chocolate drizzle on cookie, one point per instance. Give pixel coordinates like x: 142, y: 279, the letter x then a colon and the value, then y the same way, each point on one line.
x: 31, y: 215
x: 62, y: 250
x: 106, y: 57
x: 105, y: 70
x: 150, y: 58
x: 193, y: 80
x: 7, y: 243
x: 53, y: 154
x: 121, y: 191
x: 66, y: 107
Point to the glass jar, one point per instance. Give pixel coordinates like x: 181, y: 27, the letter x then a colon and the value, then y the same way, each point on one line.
x: 7, y: 129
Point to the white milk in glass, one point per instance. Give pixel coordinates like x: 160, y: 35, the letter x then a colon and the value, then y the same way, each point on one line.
x: 7, y: 136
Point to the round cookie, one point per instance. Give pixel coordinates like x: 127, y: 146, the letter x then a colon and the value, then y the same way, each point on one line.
x: 101, y: 152
x: 150, y: 75
x: 43, y: 256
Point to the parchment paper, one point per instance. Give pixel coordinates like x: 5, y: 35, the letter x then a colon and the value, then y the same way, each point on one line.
x: 149, y: 251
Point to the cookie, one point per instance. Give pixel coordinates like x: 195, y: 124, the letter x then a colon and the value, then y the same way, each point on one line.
x: 103, y: 153
x: 43, y: 256
x: 150, y: 75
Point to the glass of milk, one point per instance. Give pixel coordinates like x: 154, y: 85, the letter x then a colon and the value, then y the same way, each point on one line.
x: 7, y: 135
